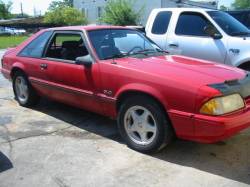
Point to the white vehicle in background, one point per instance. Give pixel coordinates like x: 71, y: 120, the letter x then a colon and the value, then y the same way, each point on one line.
x: 13, y: 31
x: 201, y: 33
x: 19, y: 31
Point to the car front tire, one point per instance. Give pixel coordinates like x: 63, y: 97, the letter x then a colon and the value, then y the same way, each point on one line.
x: 144, y: 125
x: 25, y: 95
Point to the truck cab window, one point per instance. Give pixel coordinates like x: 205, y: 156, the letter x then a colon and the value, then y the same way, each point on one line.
x: 161, y: 22
x: 192, y: 24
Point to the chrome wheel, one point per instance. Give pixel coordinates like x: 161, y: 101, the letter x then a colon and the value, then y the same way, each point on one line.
x: 21, y: 88
x: 140, y: 125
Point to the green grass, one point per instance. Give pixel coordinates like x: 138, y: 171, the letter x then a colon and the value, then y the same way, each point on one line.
x: 11, y: 41
x: 61, y: 38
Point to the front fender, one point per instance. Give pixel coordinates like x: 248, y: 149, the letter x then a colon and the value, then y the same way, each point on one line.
x: 242, y: 61
x: 138, y: 87
x: 18, y: 65
x: 238, y: 59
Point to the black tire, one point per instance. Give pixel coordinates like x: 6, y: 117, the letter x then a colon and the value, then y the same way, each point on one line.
x: 164, y: 133
x: 32, y: 98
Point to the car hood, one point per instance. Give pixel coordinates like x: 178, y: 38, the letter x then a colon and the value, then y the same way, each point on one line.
x: 185, y: 69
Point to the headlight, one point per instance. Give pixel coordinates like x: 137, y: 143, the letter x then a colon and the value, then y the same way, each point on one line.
x: 223, y: 105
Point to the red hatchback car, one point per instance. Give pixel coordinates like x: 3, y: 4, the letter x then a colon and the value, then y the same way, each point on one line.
x: 118, y: 72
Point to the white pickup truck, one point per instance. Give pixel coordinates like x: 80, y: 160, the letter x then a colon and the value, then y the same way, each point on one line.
x: 201, y: 33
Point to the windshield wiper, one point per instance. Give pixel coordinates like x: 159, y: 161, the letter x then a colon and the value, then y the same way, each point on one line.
x: 162, y: 51
x: 240, y: 33
x: 148, y: 51
x: 143, y: 52
x: 120, y: 55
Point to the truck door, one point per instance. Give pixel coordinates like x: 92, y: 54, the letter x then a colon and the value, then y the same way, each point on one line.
x: 190, y: 39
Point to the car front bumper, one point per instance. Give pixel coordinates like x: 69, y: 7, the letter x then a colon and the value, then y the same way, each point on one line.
x: 213, y: 129
x: 209, y: 129
x: 5, y: 73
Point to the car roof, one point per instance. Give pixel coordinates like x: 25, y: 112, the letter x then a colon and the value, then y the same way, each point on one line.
x: 87, y: 27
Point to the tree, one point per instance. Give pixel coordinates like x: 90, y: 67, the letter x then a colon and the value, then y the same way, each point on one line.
x: 65, y: 16
x: 121, y: 12
x: 5, y: 10
x: 59, y: 4
x: 241, y: 4
x: 223, y: 8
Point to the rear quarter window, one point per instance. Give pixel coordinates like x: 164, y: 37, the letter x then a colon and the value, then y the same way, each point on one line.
x: 36, y: 47
x: 161, y: 22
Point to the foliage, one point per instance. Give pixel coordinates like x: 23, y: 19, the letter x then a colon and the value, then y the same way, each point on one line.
x: 60, y: 4
x: 121, y: 12
x: 65, y: 16
x: 223, y: 8
x: 5, y: 10
x: 241, y: 4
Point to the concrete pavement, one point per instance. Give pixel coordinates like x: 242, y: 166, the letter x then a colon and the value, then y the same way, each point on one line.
x: 56, y: 145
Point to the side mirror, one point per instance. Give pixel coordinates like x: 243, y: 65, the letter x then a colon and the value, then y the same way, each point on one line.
x: 213, y: 32
x: 84, y: 60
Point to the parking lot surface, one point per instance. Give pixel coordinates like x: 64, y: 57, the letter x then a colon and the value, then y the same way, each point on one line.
x: 56, y: 145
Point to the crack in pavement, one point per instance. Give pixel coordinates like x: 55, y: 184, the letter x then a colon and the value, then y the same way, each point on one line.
x: 8, y: 139
x: 6, y: 99
x: 42, y: 134
x: 60, y: 182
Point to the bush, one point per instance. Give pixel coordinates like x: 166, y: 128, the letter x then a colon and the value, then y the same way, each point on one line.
x: 65, y: 16
x: 5, y: 34
x: 121, y: 12
x: 241, y: 4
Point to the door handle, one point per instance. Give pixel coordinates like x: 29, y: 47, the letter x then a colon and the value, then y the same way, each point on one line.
x: 173, y: 44
x: 43, y: 66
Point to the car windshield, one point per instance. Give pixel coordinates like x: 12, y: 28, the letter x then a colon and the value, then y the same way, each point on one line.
x: 229, y: 24
x: 118, y: 43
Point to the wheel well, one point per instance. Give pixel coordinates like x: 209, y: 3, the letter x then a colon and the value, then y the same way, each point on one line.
x: 245, y: 66
x: 129, y: 94
x: 14, y: 70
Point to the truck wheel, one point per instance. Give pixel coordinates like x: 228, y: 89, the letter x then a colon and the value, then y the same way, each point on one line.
x: 144, y: 125
x: 24, y: 93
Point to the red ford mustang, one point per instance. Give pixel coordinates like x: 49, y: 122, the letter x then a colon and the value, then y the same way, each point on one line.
x: 118, y: 72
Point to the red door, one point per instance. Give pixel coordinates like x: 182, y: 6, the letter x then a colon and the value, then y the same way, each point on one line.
x: 74, y: 84
x: 68, y: 82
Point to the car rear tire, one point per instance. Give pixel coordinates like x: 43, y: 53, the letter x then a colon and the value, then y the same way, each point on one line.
x: 143, y: 125
x: 25, y: 95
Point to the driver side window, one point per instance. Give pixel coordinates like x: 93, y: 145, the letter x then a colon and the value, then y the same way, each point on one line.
x: 192, y: 24
x: 66, y: 46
